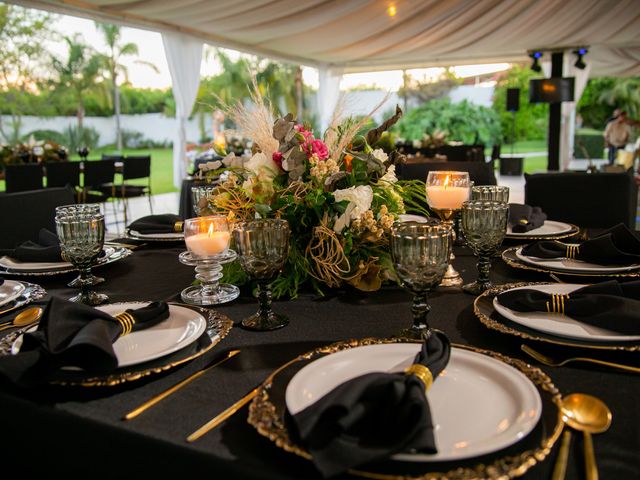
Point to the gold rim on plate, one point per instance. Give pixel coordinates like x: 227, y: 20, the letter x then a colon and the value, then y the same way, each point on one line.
x: 575, y: 230
x: 267, y: 418
x: 511, y: 259
x: 218, y: 327
x: 483, y: 309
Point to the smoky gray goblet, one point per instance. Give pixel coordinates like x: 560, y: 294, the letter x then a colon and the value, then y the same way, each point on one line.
x: 494, y: 193
x: 81, y: 234
x: 420, y: 254
x: 484, y: 225
x: 262, y: 247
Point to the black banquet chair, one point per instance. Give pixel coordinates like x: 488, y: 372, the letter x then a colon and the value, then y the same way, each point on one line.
x: 134, y: 168
x: 23, y: 177
x: 480, y: 173
x: 589, y: 200
x: 62, y: 174
x: 23, y: 214
x: 98, y: 181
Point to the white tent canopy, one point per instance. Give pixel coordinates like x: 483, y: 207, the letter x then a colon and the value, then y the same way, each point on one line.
x: 360, y: 35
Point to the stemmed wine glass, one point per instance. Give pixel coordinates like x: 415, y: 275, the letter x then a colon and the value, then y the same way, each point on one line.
x: 446, y: 191
x: 484, y: 225
x: 207, y: 240
x: 263, y: 246
x: 80, y: 230
x: 200, y: 195
x: 420, y: 254
x: 495, y: 193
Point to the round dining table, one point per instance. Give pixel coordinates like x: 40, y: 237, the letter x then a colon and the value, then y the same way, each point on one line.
x: 79, y: 430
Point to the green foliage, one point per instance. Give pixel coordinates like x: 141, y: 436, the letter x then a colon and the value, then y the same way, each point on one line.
x: 593, y: 111
x: 47, y: 135
x: 532, y: 120
x: 464, y: 121
x: 592, y: 142
x: 143, y: 100
x: 425, y: 91
x: 81, y: 137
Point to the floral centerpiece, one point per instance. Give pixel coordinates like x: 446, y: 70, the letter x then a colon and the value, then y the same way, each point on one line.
x: 339, y: 194
x: 32, y: 151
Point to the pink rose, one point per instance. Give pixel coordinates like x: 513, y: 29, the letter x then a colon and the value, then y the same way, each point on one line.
x: 305, y: 133
x: 319, y: 148
x: 277, y: 158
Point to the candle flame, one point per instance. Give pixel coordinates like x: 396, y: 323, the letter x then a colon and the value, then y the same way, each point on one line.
x: 210, y: 232
x: 446, y: 182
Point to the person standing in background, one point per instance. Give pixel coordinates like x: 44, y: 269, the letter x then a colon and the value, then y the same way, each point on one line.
x: 616, y: 135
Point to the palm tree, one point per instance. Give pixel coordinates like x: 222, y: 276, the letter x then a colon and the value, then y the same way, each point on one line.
x: 113, y: 37
x: 625, y: 93
x: 81, y: 72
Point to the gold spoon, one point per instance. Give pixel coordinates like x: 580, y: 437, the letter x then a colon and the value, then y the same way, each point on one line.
x: 24, y: 318
x: 587, y: 414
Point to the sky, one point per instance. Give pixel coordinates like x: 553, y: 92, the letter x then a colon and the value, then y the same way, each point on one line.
x: 151, y: 50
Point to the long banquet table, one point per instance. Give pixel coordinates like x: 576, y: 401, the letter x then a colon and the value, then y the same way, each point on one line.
x: 80, y: 431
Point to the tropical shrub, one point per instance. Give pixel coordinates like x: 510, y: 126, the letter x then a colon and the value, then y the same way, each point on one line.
x: 84, y: 137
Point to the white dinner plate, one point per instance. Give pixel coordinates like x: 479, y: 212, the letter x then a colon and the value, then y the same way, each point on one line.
x: 156, y: 236
x: 10, y: 290
x: 408, y: 217
x: 183, y: 327
x: 571, y: 265
x: 558, y: 324
x: 549, y: 227
x: 478, y: 404
x: 18, y: 266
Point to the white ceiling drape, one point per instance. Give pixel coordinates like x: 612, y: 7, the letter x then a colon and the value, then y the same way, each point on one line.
x: 360, y: 35
x: 328, y: 94
x: 184, y: 57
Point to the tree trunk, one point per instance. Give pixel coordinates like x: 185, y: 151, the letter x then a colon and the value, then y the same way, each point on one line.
x: 80, y: 116
x: 116, y: 104
x: 299, y: 93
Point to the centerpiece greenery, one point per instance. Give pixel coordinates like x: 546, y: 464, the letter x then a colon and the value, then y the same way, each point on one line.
x: 339, y: 194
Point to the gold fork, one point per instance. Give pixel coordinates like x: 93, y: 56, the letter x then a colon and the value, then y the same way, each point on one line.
x: 551, y: 362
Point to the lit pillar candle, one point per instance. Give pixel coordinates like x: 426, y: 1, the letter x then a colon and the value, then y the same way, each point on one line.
x: 447, y: 197
x: 208, y: 243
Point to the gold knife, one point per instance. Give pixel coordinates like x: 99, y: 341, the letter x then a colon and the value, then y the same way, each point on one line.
x: 218, y: 419
x: 176, y: 387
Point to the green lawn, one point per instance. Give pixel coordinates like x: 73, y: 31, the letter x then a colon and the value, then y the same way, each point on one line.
x: 161, y: 168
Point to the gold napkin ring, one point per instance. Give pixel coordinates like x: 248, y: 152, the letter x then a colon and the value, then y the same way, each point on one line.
x: 422, y: 372
x: 557, y: 303
x: 572, y: 251
x: 177, y: 227
x: 126, y: 321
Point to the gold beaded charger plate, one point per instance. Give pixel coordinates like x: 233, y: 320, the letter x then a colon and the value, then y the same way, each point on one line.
x: 484, y: 307
x: 267, y: 412
x: 550, y: 230
x: 9, y: 266
x: 189, y: 335
x: 511, y: 258
x: 572, y: 265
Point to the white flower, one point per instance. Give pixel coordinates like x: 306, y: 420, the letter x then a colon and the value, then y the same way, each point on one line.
x: 359, y: 199
x: 260, y: 164
x: 380, y: 155
x: 390, y: 176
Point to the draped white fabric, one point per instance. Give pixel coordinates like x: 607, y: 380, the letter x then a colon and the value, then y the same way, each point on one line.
x: 328, y: 94
x: 568, y: 122
x: 359, y: 35
x: 184, y: 57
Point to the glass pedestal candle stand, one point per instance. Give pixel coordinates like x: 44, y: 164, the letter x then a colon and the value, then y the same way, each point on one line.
x: 207, y: 240
x: 446, y: 192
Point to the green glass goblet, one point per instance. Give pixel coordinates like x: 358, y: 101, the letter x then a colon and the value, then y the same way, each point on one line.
x: 484, y: 225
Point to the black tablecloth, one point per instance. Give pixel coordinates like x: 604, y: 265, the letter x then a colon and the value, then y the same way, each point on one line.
x: 80, y: 430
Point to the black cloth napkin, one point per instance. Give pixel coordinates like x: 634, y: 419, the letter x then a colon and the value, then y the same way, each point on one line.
x: 165, y: 223
x: 523, y: 218
x: 373, y: 416
x: 611, y: 305
x: 46, y: 249
x: 72, y: 334
x: 616, y: 246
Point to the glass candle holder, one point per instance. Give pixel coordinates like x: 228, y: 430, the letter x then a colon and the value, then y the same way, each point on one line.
x: 446, y: 192
x: 207, y: 240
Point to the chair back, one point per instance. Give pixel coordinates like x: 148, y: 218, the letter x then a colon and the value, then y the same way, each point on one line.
x: 23, y: 214
x: 60, y: 174
x: 98, y: 172
x: 589, y: 200
x: 23, y: 177
x: 136, y: 167
x: 479, y: 172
